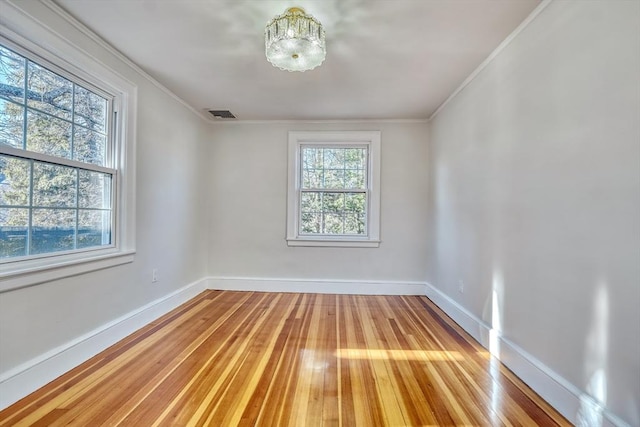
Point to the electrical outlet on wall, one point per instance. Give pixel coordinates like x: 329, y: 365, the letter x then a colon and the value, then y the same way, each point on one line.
x: 461, y: 286
x: 154, y: 275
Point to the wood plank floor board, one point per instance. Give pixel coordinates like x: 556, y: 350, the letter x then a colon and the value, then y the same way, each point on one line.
x: 278, y: 359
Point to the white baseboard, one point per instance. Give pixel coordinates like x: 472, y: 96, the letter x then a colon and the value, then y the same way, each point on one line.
x: 317, y: 286
x: 565, y: 397
x: 35, y: 373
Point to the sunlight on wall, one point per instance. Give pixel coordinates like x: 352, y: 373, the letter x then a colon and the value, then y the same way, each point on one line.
x: 593, y: 402
x: 497, y: 292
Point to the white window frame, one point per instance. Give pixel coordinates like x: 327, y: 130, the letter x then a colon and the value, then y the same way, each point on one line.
x: 68, y: 60
x: 370, y: 139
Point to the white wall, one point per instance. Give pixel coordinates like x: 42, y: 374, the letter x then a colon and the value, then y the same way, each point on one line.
x: 247, y: 189
x: 170, y: 218
x: 536, y: 194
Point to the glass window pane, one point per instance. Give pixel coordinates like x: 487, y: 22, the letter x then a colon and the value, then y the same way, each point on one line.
x: 11, y: 124
x: 334, y: 168
x: 90, y: 109
x: 312, y: 178
x: 89, y: 146
x: 311, y: 223
x: 94, y: 228
x: 333, y: 158
x: 11, y: 75
x: 311, y: 158
x: 49, y: 92
x: 354, y: 224
x: 354, y: 158
x: 46, y: 207
x: 94, y: 190
x: 15, y: 177
x: 311, y: 202
x: 48, y: 135
x: 53, y: 185
x: 14, y: 223
x: 53, y: 230
x: 333, y: 223
x: 333, y: 178
x: 332, y: 202
x: 354, y: 179
x: 354, y: 202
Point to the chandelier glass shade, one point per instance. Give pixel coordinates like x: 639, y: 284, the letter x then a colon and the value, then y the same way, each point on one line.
x: 294, y: 41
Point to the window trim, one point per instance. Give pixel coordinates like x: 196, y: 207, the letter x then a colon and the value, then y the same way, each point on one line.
x: 68, y: 59
x: 327, y: 138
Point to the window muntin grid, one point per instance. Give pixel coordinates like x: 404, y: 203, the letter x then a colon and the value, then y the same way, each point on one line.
x: 333, y: 190
x: 56, y: 176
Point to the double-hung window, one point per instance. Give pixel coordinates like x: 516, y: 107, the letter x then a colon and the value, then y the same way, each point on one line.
x: 59, y: 166
x: 334, y: 194
x: 55, y: 173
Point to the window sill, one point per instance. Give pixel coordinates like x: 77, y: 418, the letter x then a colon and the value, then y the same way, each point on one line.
x: 342, y: 243
x: 33, y: 272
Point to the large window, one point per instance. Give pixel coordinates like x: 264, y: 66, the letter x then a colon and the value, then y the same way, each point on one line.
x: 333, y: 189
x: 67, y: 158
x: 56, y: 172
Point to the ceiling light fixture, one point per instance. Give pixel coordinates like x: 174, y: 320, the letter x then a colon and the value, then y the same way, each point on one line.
x: 294, y: 41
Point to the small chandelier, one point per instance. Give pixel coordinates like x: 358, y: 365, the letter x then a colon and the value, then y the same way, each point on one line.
x: 294, y: 41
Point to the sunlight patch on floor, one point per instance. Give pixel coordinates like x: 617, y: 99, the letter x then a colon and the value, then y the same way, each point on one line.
x: 385, y: 354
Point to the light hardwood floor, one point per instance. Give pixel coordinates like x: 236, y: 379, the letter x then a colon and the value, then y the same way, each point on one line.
x: 276, y: 359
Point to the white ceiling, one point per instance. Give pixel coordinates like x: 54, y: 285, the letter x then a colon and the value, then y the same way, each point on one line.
x: 386, y: 59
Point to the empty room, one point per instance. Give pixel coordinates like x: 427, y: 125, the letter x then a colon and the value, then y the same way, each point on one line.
x: 320, y: 213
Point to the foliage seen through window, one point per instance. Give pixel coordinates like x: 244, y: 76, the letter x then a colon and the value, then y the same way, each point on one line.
x: 55, y: 176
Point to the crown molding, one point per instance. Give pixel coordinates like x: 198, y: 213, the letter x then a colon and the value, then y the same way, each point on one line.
x: 58, y: 10
x: 320, y: 121
x: 502, y: 46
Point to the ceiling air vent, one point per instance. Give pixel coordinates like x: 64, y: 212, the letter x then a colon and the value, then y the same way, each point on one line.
x: 222, y: 114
